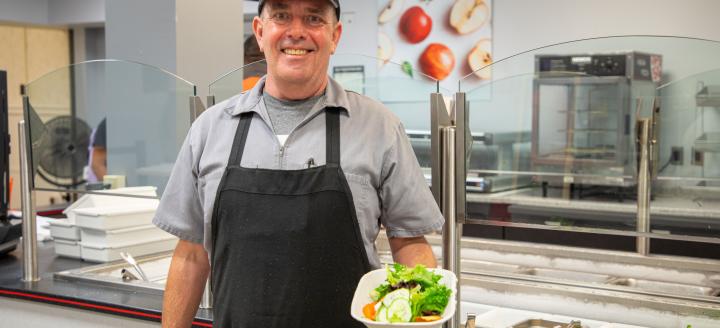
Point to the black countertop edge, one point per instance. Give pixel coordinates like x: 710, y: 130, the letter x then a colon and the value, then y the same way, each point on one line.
x: 115, y: 309
x: 70, y: 294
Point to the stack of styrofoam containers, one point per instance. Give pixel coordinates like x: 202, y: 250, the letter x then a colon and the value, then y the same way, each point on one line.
x: 100, y: 227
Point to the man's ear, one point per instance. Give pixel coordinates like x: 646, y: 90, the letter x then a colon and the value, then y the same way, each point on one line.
x: 257, y: 26
x: 337, y: 32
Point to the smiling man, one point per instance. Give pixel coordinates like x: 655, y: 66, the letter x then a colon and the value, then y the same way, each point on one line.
x: 282, y: 190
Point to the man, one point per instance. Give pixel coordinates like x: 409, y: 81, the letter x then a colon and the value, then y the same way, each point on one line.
x: 97, y: 162
x: 284, y: 188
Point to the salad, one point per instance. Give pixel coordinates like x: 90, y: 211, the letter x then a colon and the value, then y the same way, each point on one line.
x: 408, y: 295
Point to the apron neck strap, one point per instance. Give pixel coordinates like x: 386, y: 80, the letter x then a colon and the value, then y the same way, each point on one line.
x: 240, y: 138
x: 332, y: 137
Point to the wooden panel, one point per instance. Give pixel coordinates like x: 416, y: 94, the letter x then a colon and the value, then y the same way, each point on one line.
x: 28, y: 53
x: 13, y: 60
x: 47, y: 50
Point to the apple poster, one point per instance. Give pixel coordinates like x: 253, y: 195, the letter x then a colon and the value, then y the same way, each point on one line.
x: 446, y: 40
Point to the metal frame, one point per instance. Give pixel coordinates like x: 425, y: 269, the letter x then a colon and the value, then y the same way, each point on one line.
x: 29, y: 225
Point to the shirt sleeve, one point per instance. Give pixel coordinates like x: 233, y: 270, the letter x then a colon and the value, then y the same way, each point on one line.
x: 180, y: 211
x: 100, y: 137
x: 409, y: 209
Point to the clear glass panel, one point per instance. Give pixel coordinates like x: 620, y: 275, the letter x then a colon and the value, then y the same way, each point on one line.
x: 555, y: 134
x: 404, y: 90
x: 237, y: 81
x: 146, y: 114
x: 687, y: 189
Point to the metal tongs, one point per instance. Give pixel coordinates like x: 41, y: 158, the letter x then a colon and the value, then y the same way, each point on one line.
x: 131, y: 260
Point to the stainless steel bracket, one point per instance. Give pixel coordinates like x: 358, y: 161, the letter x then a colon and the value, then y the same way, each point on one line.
x: 196, y: 108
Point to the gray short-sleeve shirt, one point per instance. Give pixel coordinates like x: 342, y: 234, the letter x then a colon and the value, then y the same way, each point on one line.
x: 385, y: 179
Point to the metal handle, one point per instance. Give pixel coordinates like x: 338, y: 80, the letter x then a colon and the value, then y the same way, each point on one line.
x: 643, y: 186
x: 29, y: 224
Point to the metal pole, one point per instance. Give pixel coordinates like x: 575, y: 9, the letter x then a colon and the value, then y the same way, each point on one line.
x: 451, y: 230
x: 206, y: 301
x: 643, y: 191
x: 29, y: 224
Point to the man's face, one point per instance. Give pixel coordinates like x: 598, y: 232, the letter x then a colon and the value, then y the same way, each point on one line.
x: 297, y: 38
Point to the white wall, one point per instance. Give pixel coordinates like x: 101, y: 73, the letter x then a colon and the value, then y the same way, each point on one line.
x: 521, y: 25
x: 53, y: 12
x: 76, y: 12
x: 24, y: 11
x: 209, y: 40
x: 142, y: 31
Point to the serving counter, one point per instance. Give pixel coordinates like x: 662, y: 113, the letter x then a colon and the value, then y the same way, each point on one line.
x: 63, y: 303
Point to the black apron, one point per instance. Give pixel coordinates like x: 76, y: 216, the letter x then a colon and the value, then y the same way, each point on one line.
x: 287, y: 249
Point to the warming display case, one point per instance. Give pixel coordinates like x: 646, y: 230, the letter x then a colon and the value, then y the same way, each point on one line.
x: 584, y: 114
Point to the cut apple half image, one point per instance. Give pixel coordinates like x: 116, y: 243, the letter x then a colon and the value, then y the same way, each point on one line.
x: 385, y: 49
x: 480, y: 57
x: 469, y: 15
x: 392, y: 9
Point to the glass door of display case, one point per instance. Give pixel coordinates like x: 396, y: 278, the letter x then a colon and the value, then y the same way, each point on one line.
x: 584, y: 125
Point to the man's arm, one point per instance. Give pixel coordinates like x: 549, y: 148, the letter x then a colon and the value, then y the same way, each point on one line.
x: 412, y: 251
x: 99, y: 162
x: 185, y: 284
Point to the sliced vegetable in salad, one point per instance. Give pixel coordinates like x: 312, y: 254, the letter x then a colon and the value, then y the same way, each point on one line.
x: 408, y: 295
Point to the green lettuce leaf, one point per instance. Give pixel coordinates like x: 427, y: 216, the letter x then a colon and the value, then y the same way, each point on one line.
x: 432, y: 299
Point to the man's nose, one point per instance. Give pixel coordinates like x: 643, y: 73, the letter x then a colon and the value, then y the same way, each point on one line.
x: 296, y: 30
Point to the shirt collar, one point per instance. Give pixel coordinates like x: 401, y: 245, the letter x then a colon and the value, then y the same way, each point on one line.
x: 335, y: 96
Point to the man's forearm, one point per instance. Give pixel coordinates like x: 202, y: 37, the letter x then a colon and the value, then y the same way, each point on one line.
x: 185, y: 284
x: 412, y: 251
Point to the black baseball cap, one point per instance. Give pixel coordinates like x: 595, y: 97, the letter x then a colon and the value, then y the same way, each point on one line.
x: 335, y: 3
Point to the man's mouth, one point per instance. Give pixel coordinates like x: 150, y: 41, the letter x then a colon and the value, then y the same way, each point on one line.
x: 296, y: 52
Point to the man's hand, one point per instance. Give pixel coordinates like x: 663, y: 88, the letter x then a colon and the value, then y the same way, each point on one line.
x: 412, y: 251
x: 185, y: 284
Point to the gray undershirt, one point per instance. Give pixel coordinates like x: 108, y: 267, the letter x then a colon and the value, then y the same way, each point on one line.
x: 285, y: 115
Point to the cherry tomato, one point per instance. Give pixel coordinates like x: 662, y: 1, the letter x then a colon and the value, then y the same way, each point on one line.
x: 415, y: 24
x: 437, y: 61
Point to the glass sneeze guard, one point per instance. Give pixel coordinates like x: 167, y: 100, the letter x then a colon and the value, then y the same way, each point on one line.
x: 403, y: 90
x: 144, y: 110
x: 560, y: 148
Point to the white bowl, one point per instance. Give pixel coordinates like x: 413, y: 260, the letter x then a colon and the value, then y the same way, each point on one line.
x: 373, y: 279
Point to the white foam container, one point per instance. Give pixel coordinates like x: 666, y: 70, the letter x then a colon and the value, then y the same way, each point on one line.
x: 115, y: 217
x: 124, y: 236
x: 63, y: 229
x: 373, y: 279
x: 103, y: 253
x: 95, y: 200
x: 67, y: 248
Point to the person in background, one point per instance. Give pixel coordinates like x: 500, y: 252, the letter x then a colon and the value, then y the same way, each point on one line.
x: 252, y: 54
x: 97, y: 161
x: 283, y: 189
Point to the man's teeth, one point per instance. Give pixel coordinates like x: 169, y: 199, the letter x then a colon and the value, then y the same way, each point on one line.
x: 295, y: 52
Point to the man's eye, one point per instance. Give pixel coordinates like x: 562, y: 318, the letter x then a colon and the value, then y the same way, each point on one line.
x: 314, y: 20
x: 281, y: 17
